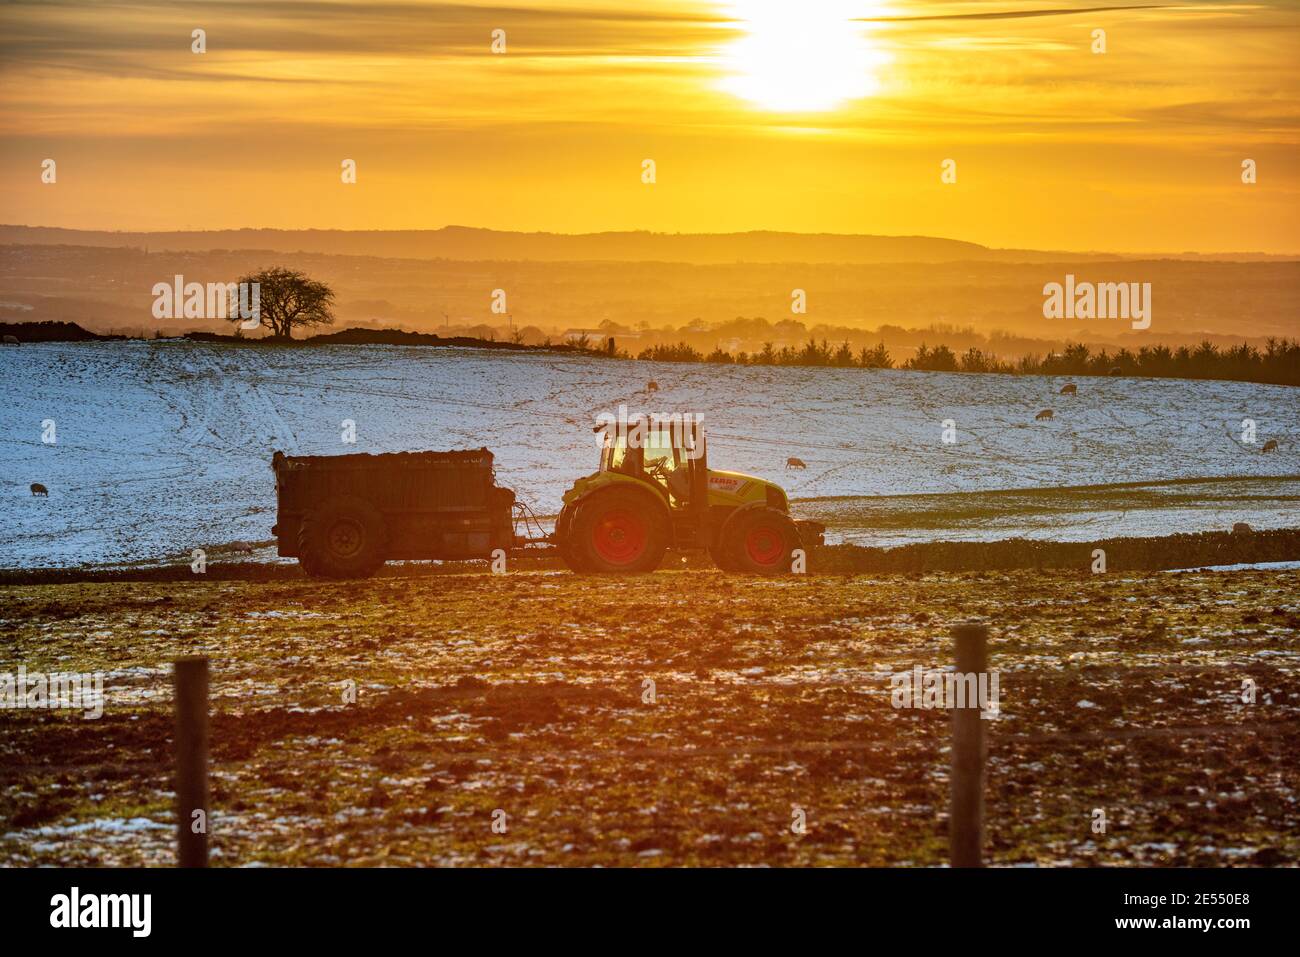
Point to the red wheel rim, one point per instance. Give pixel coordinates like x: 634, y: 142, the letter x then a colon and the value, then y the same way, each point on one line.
x: 619, y: 536
x: 764, y: 545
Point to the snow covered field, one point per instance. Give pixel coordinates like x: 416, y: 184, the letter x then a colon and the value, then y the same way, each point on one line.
x: 162, y: 447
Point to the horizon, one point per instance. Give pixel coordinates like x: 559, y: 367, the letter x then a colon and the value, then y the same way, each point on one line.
x: 1123, y: 253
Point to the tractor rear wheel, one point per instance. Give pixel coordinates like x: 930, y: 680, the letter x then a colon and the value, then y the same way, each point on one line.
x: 760, y: 542
x: 344, y: 538
x: 564, y: 531
x: 618, y: 532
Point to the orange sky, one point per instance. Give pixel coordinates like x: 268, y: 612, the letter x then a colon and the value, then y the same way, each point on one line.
x: 831, y: 116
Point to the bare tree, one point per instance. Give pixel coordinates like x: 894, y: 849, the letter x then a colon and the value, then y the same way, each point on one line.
x: 287, y: 299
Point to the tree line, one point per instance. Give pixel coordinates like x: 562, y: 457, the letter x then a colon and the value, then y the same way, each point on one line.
x: 1277, y: 363
x: 289, y: 299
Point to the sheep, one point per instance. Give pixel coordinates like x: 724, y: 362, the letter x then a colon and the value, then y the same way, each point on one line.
x: 1069, y: 389
x: 1241, y: 528
x: 243, y: 548
x: 12, y: 341
x: 1116, y: 371
x: 794, y: 463
x: 39, y: 489
x: 1045, y: 414
x: 1269, y: 446
x: 652, y: 386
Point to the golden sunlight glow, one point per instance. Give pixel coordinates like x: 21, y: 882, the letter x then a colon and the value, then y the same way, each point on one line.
x: 802, y: 57
x: 834, y: 117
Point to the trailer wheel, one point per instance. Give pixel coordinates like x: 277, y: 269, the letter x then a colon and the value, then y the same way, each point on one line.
x: 308, y: 565
x: 344, y: 538
x: 761, y: 542
x: 618, y: 532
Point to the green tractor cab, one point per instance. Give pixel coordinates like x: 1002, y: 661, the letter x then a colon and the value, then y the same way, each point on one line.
x: 659, y: 493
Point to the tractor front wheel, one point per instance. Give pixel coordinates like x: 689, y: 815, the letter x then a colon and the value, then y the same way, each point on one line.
x: 617, y: 532
x: 760, y: 542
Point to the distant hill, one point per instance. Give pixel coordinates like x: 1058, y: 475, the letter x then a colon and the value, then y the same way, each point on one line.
x: 469, y: 244
x: 465, y: 243
x: 49, y: 331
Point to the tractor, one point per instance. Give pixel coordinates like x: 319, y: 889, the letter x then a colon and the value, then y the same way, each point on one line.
x: 658, y: 492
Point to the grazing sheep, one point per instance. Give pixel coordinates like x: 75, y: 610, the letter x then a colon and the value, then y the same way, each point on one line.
x: 1117, y: 371
x: 244, y: 548
x: 794, y: 463
x: 1069, y: 389
x: 39, y: 489
x: 1241, y: 528
x: 12, y: 341
x: 652, y: 386
x: 1269, y: 446
x: 1045, y: 414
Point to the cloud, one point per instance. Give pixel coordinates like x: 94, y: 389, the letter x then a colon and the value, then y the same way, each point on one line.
x: 1010, y: 14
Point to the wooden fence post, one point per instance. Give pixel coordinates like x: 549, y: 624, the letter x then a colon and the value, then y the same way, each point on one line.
x: 966, y: 814
x: 191, y: 679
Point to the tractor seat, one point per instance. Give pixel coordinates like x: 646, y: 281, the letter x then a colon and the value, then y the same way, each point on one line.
x: 679, y: 484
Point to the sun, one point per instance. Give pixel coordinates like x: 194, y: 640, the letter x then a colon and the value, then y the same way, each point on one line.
x: 802, y: 57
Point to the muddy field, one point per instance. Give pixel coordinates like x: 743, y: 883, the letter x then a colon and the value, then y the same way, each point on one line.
x: 528, y: 694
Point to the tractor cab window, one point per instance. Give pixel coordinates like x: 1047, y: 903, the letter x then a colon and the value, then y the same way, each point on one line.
x: 657, y: 451
x: 614, y: 457
x: 657, y: 460
x: 665, y: 465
